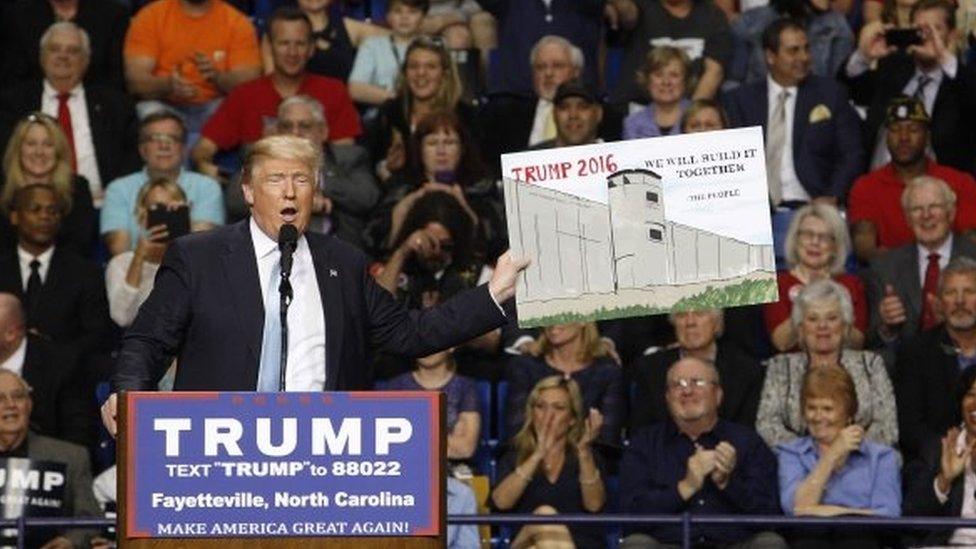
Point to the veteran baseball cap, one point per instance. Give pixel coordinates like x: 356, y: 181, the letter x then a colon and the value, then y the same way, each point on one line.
x: 904, y: 108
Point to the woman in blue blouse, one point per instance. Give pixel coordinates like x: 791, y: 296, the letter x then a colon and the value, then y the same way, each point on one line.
x: 665, y: 78
x: 834, y: 470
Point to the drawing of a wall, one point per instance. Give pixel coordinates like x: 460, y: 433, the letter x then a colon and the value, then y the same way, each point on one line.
x: 581, y: 246
x: 568, y: 236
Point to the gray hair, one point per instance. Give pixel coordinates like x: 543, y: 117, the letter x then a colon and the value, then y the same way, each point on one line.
x: 829, y: 215
x: 959, y: 265
x: 821, y: 291
x: 66, y: 26
x: 718, y: 314
x: 575, y: 54
x: 948, y: 195
x: 318, y: 111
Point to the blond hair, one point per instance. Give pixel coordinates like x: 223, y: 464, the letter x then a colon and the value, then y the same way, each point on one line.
x: 525, y: 440
x: 590, y: 347
x: 283, y: 147
x: 61, y: 177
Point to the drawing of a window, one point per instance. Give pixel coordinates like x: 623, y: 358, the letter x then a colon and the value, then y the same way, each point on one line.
x: 655, y: 234
x: 652, y: 197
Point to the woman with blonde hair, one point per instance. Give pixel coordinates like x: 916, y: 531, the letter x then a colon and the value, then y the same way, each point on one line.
x: 129, y: 275
x: 551, y: 467
x: 38, y: 152
x: 428, y: 82
x: 573, y: 351
x: 817, y: 244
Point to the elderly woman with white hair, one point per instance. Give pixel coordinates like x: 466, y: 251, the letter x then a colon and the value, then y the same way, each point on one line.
x: 822, y: 317
x: 817, y: 245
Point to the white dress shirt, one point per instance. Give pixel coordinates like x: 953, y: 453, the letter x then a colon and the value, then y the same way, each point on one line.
x: 124, y: 300
x: 945, y: 254
x: 792, y: 189
x: 306, y: 318
x: 15, y: 362
x: 81, y: 133
x: 25, y: 259
x: 543, y: 111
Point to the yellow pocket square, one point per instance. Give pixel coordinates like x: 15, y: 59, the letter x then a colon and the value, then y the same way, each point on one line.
x: 819, y: 113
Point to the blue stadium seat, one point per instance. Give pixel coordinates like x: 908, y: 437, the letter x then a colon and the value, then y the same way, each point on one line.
x: 501, y: 400
x: 484, y: 461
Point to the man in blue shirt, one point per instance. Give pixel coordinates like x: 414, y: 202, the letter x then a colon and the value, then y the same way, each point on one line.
x: 696, y: 462
x: 161, y: 145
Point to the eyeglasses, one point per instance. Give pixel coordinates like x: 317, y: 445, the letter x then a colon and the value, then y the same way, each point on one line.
x: 813, y: 236
x: 297, y: 125
x: 14, y: 397
x: 161, y: 139
x: 70, y: 50
x: 689, y: 383
x: 918, y: 211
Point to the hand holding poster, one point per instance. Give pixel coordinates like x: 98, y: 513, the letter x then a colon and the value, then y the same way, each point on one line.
x: 641, y: 227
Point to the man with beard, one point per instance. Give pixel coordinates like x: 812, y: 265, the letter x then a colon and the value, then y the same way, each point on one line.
x: 695, y: 461
x: 929, y: 365
x: 874, y: 205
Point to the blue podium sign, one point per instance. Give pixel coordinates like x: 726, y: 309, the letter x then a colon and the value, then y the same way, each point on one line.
x: 283, y: 464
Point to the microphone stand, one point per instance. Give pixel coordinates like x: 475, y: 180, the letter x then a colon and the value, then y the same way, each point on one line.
x: 285, y: 292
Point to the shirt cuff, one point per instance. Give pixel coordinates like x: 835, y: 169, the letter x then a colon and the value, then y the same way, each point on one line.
x: 857, y: 65
x: 951, y: 67
x: 495, y: 301
x: 942, y: 497
x: 513, y: 349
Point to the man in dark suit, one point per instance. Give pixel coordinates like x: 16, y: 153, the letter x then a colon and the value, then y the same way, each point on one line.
x: 62, y: 404
x: 929, y: 366
x: 877, y: 72
x: 206, y: 304
x: 697, y: 333
x: 101, y: 119
x: 515, y: 122
x: 17, y: 440
x: 899, y: 281
x: 63, y: 293
x: 821, y: 156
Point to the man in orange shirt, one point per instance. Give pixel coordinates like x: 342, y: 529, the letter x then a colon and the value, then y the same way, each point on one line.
x: 186, y: 55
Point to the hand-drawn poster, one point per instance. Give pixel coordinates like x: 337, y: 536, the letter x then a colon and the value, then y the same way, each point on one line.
x: 641, y: 227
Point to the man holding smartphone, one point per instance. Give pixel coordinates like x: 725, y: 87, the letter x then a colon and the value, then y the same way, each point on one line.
x: 928, y: 71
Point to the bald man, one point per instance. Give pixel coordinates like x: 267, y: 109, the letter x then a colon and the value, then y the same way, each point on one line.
x: 62, y: 404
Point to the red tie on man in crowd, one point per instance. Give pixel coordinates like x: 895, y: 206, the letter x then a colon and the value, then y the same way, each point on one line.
x: 928, y: 292
x: 64, y: 119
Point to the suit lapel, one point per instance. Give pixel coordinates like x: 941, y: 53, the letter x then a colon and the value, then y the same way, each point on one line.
x: 241, y: 271
x: 327, y: 275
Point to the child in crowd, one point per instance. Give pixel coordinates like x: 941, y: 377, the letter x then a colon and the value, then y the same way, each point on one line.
x: 374, y: 73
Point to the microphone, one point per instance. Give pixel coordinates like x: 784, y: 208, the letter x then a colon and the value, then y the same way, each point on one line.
x: 287, y: 243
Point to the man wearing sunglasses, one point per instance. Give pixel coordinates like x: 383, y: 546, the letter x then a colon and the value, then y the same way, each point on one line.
x: 695, y: 461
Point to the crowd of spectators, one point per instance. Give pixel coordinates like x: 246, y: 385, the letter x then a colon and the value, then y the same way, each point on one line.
x: 114, y: 111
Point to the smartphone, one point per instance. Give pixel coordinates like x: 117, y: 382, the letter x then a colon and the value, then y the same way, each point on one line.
x: 447, y: 177
x: 177, y: 220
x: 902, y: 38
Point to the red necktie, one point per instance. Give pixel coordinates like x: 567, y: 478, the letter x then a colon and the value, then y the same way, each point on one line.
x: 928, y: 290
x: 64, y: 119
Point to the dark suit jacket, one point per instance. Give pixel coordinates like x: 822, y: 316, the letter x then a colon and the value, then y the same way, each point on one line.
x: 23, y: 23
x: 827, y: 154
x: 72, y: 308
x: 953, y: 127
x: 61, y: 393
x: 742, y: 380
x: 926, y: 373
x: 899, y: 267
x: 920, y: 499
x: 114, y: 126
x: 349, y: 182
x: 206, y: 307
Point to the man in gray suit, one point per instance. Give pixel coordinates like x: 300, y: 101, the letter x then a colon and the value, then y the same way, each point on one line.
x: 901, y: 283
x: 347, y: 191
x: 17, y: 441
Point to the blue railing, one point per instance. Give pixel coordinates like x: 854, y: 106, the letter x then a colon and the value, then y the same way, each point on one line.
x: 687, y: 521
